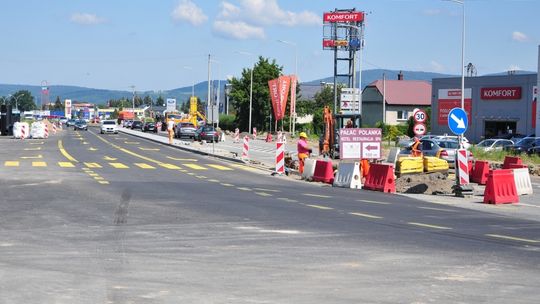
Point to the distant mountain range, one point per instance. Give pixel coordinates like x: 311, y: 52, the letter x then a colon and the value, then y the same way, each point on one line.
x: 101, y: 96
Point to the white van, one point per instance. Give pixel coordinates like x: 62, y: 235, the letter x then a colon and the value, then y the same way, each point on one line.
x: 108, y: 126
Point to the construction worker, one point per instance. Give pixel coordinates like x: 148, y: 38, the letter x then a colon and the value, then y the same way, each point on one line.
x: 415, y: 152
x: 303, y: 150
x: 170, y: 129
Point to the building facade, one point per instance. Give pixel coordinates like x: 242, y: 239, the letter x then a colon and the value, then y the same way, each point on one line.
x: 496, y: 105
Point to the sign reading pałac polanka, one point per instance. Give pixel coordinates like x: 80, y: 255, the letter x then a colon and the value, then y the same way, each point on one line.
x: 358, y: 143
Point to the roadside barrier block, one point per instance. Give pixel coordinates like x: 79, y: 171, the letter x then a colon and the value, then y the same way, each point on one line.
x: 324, y: 172
x: 501, y: 188
x: 517, y: 166
x: 381, y: 178
x: 348, y: 176
x: 511, y: 160
x: 480, y: 172
x: 522, y: 180
x: 309, y: 169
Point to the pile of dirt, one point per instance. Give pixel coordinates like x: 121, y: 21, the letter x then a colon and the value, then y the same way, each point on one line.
x: 433, y: 183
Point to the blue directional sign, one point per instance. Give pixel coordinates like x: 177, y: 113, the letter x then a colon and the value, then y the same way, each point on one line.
x: 458, y: 121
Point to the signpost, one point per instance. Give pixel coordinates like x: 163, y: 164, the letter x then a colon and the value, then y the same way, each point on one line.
x: 419, y: 117
x: 171, y: 104
x: 360, y: 143
x: 458, y: 121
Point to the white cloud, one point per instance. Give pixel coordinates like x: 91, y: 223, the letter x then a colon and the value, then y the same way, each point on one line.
x: 189, y: 12
x: 86, y: 19
x: 519, y: 36
x: 266, y: 12
x: 514, y: 67
x: 436, y: 67
x: 238, y: 30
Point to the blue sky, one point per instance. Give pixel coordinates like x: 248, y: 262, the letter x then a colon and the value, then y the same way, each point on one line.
x: 150, y: 43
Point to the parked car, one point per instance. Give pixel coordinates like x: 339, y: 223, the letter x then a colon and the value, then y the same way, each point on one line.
x: 80, y: 125
x: 149, y: 127
x: 63, y: 120
x: 535, y: 149
x: 185, y: 129
x: 521, y: 146
x: 493, y: 144
x: 208, y: 133
x: 465, y: 141
x: 108, y: 126
x: 444, y: 149
x: 127, y: 123
x: 137, y: 124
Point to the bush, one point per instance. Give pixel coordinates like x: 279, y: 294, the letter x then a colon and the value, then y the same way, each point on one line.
x: 226, y: 122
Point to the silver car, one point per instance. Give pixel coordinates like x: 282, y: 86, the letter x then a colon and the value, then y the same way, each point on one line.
x: 494, y: 144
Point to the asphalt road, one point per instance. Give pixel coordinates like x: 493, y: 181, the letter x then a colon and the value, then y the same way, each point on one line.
x: 90, y: 218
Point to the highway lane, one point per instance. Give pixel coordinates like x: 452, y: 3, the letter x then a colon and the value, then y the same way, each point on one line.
x: 224, y: 234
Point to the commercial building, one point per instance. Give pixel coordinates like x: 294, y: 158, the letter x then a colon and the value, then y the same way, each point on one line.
x: 401, y: 98
x: 496, y: 105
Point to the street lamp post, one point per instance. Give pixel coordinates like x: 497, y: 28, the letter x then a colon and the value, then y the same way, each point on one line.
x: 250, y: 91
x: 293, y: 118
x: 133, y: 100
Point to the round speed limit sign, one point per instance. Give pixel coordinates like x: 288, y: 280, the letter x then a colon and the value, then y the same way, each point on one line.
x: 420, y: 116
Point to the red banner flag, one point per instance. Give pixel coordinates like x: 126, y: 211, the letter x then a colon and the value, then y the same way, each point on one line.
x: 294, y: 81
x: 284, y: 83
x: 274, y: 94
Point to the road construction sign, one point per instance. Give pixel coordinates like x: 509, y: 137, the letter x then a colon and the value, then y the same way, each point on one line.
x: 358, y: 143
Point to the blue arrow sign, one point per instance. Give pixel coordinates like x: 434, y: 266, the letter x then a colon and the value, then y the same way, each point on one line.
x: 458, y: 121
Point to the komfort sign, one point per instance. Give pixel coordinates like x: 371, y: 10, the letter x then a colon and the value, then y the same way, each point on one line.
x: 501, y: 93
x: 336, y: 17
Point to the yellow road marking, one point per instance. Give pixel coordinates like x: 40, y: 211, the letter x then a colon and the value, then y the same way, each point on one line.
x: 512, y: 238
x: 267, y: 190
x: 98, y: 178
x: 132, y: 142
x: 373, y: 202
x: 195, y: 167
x: 144, y: 166
x: 320, y: 207
x: 227, y: 185
x: 182, y: 159
x: 213, y: 180
x: 32, y: 157
x: 287, y: 200
x: 243, y: 188
x: 223, y: 168
x: 191, y: 173
x: 119, y: 165
x: 109, y: 158
x: 64, y: 152
x: 429, y: 226
x: 87, y: 170
x: 127, y: 151
x: 316, y: 195
x: 11, y: 163
x: 169, y: 166
x: 39, y: 164
x: 92, y: 165
x: 66, y: 164
x: 149, y: 149
x: 92, y: 149
x: 37, y: 143
x: 85, y: 143
x: 201, y: 176
x: 103, y: 182
x: 365, y: 215
x: 93, y: 174
x: 32, y: 149
x: 263, y: 194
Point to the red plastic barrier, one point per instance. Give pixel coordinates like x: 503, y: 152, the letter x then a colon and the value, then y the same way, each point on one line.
x: 380, y: 178
x: 517, y: 166
x: 501, y: 188
x: 480, y: 172
x: 324, y: 172
x: 470, y: 166
x: 511, y: 160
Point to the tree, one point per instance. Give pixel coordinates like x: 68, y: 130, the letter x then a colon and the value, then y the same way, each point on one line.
x: 159, y: 101
x: 58, y: 106
x: 263, y: 71
x: 147, y: 100
x: 24, y: 100
x: 325, y: 97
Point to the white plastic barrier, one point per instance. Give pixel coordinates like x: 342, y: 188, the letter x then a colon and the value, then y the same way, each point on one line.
x: 21, y: 130
x: 37, y: 130
x: 309, y: 168
x: 348, y: 176
x: 523, y: 181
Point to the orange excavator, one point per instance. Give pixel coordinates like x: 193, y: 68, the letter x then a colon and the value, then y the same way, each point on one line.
x: 329, y: 141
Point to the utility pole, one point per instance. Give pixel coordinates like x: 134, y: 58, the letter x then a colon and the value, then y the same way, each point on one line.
x: 209, y: 98
x: 384, y: 98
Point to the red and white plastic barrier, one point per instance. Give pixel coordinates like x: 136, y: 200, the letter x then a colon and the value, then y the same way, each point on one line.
x: 462, y: 167
x: 280, y: 157
x: 245, y: 148
x: 54, y: 128
x: 254, y: 133
x: 45, y: 130
x: 236, y: 135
